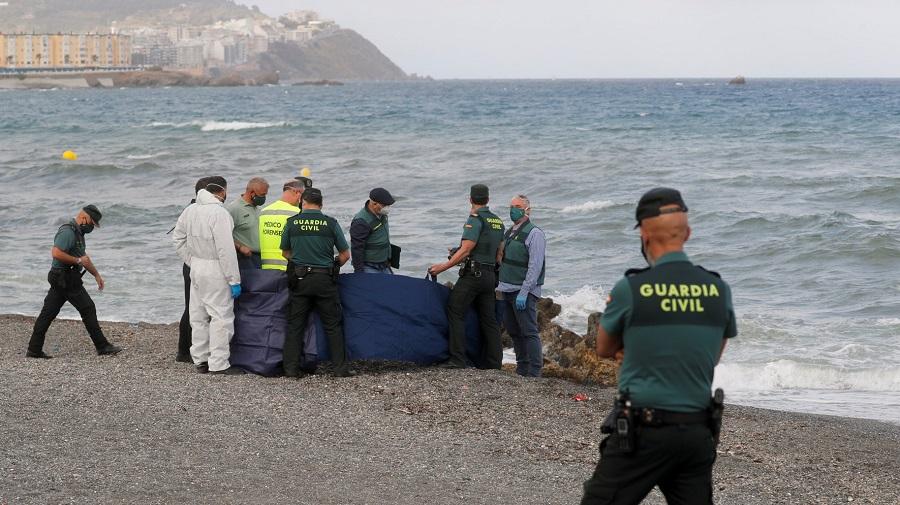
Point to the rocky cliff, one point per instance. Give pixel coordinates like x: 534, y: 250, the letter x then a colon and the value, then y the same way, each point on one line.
x: 344, y: 55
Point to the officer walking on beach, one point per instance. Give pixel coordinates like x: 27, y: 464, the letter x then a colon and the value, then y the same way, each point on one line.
x: 272, y: 220
x: 370, y: 238
x: 203, y: 240
x: 309, y: 242
x: 672, y: 321
x: 245, y: 214
x: 521, y: 277
x: 70, y: 260
x: 479, y: 252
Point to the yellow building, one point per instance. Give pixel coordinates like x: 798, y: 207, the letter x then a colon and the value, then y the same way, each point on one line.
x: 64, y: 51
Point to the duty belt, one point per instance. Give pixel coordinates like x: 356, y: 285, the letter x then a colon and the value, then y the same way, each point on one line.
x: 302, y: 269
x: 658, y: 417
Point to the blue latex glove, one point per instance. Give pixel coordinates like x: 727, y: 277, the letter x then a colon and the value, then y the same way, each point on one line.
x: 235, y: 290
x: 521, y: 300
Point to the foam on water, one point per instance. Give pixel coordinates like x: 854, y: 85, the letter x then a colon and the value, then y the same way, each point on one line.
x: 578, y: 305
x: 589, y: 206
x: 225, y: 126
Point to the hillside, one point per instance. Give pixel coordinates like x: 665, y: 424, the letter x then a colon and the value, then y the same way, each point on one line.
x: 96, y: 15
x: 342, y: 55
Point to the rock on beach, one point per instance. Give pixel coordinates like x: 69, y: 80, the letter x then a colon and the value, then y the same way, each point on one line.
x: 141, y: 428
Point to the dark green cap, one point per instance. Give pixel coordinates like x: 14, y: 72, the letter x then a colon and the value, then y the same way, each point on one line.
x: 94, y: 212
x: 479, y: 191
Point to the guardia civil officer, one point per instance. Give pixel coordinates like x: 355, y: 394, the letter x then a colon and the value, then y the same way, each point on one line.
x: 479, y: 252
x: 521, y: 277
x: 309, y: 241
x: 672, y: 321
x: 370, y: 237
x: 245, y: 214
x: 69, y: 261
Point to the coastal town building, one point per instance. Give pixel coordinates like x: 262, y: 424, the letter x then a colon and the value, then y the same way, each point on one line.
x: 64, y: 51
x: 223, y: 43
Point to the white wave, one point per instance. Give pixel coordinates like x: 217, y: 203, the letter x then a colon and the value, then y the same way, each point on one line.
x: 144, y: 156
x: 587, y: 206
x: 577, y: 306
x: 788, y: 374
x: 581, y: 129
x: 887, y: 321
x: 643, y: 114
x: 213, y: 126
x: 228, y: 126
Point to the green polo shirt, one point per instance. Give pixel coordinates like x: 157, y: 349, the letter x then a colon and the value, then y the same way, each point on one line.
x: 246, y: 223
x: 487, y: 242
x: 68, y: 242
x: 672, y: 319
x: 312, y: 237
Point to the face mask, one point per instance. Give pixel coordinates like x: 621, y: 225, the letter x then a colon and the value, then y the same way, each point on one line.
x: 86, y: 228
x: 516, y: 213
x: 258, y: 200
x: 385, y: 211
x: 644, y: 253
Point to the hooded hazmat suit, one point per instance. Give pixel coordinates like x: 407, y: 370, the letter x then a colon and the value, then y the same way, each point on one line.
x: 203, y: 241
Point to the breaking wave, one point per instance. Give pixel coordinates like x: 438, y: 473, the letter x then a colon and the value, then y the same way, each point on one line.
x: 223, y: 126
x: 788, y: 374
x: 587, y: 206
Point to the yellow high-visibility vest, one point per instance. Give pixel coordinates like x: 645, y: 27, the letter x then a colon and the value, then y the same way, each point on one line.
x: 271, y: 223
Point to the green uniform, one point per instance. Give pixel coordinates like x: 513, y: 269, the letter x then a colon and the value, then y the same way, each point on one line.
x: 372, y: 240
x: 514, y: 268
x: 69, y: 242
x: 313, y: 237
x: 672, y: 319
x: 476, y: 287
x: 246, y: 223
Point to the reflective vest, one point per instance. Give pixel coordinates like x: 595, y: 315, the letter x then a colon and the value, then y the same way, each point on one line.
x: 271, y: 224
x: 515, y: 257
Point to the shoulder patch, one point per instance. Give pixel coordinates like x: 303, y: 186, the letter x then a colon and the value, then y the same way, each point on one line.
x: 468, y: 225
x: 634, y: 271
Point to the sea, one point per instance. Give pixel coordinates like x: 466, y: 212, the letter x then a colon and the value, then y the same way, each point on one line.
x: 793, y: 188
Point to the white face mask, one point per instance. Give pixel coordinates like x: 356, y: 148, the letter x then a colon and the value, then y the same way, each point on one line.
x: 385, y: 210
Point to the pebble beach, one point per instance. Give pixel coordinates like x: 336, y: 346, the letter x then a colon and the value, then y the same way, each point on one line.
x: 141, y: 428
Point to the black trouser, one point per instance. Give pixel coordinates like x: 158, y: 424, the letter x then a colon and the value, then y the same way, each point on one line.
x: 184, y: 327
x: 479, y: 290
x: 677, y: 458
x: 66, y: 286
x: 319, y: 292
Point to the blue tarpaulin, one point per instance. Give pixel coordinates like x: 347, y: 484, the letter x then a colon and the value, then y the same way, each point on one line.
x: 386, y: 317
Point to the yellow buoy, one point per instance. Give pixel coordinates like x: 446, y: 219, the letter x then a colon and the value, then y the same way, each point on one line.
x: 305, y: 172
x: 70, y: 155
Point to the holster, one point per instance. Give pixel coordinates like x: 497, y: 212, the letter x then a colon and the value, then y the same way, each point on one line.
x: 716, y: 410
x: 621, y: 422
x: 335, y: 270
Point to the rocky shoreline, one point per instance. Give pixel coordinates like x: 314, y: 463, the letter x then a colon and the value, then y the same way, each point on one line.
x: 138, y: 79
x: 141, y: 428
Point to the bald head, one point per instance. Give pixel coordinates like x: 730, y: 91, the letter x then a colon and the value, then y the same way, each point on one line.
x: 665, y: 233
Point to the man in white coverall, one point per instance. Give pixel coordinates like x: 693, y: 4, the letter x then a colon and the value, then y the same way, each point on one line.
x: 203, y: 241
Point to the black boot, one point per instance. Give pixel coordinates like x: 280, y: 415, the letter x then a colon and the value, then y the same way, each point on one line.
x: 38, y: 355
x: 109, y: 350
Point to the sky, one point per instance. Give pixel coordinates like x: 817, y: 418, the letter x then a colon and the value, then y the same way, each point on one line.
x: 624, y: 38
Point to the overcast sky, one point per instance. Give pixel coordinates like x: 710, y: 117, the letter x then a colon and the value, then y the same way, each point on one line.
x: 624, y: 38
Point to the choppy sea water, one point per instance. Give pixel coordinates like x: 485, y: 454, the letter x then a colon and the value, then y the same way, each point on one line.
x: 793, y: 186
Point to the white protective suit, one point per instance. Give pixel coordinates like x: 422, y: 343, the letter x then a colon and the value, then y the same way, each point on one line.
x: 203, y: 240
